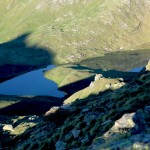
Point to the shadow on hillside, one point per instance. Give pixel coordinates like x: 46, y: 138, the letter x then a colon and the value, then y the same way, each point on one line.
x: 81, y: 84
x: 37, y: 105
x: 120, y: 60
x: 114, y: 64
x: 18, y: 58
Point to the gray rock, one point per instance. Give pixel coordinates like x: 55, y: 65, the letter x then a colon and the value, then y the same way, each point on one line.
x: 106, y: 122
x: 98, y: 77
x: 75, y: 133
x: 91, y: 85
x: 85, y: 110
x: 148, y: 66
x: 68, y: 108
x: 33, y: 118
x: 89, y: 117
x: 140, y: 146
x: 120, y: 79
x: 85, y: 139
x: 60, y: 145
x: 53, y: 110
x: 8, y: 127
x: 124, y: 122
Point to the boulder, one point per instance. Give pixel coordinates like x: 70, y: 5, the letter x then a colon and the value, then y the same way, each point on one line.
x: 53, y: 110
x: 75, y: 133
x: 148, y: 66
x: 98, y: 77
x: 8, y: 127
x: 60, y: 145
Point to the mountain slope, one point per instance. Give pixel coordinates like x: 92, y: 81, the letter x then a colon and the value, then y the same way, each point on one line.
x: 75, y: 30
x: 111, y: 118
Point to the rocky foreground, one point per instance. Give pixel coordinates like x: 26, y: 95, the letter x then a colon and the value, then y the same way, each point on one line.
x: 108, y: 114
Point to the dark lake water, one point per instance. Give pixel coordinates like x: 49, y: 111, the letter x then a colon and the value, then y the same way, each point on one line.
x: 32, y: 83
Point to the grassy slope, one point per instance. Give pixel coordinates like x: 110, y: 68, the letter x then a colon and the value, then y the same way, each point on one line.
x: 110, y: 65
x: 93, y: 116
x: 80, y: 30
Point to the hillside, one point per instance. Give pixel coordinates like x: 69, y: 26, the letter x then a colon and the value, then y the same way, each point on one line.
x: 94, y: 46
x: 114, y: 115
x: 36, y: 33
x: 74, y: 30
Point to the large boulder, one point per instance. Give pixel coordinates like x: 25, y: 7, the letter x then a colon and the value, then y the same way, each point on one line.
x: 8, y: 127
x: 148, y: 66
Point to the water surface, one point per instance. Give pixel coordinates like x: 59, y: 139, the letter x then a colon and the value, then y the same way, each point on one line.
x: 32, y: 83
x: 138, y: 69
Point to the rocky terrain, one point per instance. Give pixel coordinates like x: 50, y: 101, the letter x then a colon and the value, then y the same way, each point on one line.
x: 95, y: 44
x: 108, y: 114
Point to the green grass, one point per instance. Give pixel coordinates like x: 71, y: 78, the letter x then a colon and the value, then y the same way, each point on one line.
x: 81, y: 30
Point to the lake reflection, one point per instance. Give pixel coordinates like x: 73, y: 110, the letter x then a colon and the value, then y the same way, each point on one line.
x: 32, y: 83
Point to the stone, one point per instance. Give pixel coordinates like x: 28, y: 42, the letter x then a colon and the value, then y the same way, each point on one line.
x: 120, y: 79
x: 85, y: 139
x: 140, y: 146
x: 53, y: 110
x: 75, y: 133
x: 124, y: 122
x: 107, y: 122
x: 8, y: 127
x: 69, y: 108
x: 60, y: 145
x: 91, y: 84
x: 148, y: 66
x: 85, y: 110
x: 89, y: 117
x: 33, y: 118
x: 118, y: 85
x: 98, y: 77
x: 66, y: 107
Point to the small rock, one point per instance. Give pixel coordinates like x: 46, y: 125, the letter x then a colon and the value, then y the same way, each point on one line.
x: 120, y: 79
x: 52, y: 111
x: 91, y: 84
x: 85, y: 110
x: 106, y: 122
x: 66, y: 107
x: 75, y: 133
x: 8, y: 128
x: 148, y: 66
x: 34, y: 117
x: 85, y: 139
x: 89, y: 117
x: 98, y: 77
x: 60, y: 145
x: 139, y: 146
x: 125, y: 122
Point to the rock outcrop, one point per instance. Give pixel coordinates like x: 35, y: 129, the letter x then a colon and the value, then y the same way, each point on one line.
x: 114, y: 118
x: 148, y: 66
